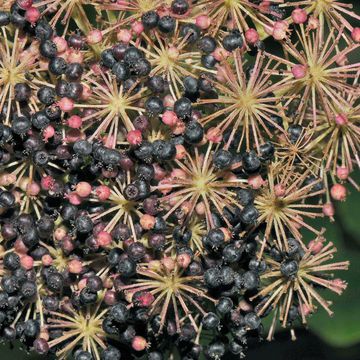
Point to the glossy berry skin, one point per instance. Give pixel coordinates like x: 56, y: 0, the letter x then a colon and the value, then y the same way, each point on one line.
x: 4, y: 18
x: 119, y: 313
x: 74, y: 71
x: 207, y: 44
x: 120, y: 71
x: 150, y: 19
x: 48, y: 49
x: 46, y: 95
x: 179, y: 7
x: 154, y: 105
x: 166, y: 24
x: 183, y: 107
x: 11, y: 261
x: 22, y: 92
x: 110, y: 353
x: 194, y: 132
x: 191, y: 32
x: 156, y: 84
x: 210, y: 321
x: 251, y: 162
x: 232, y: 42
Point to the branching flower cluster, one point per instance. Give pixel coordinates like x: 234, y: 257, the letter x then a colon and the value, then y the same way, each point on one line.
x: 160, y: 167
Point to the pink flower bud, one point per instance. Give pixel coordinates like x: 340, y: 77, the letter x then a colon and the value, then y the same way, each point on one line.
x: 355, y: 34
x: 299, y: 16
x: 124, y: 36
x: 168, y: 101
x: 137, y: 27
x: 47, y: 182
x: 147, y: 222
x: 66, y: 104
x: 342, y: 172
x: 280, y: 30
x: 328, y: 210
x: 75, y: 56
x: 341, y: 119
x: 46, y: 260
x: 169, y: 118
x: 94, y: 37
x: 183, y: 260
x: 134, y: 137
x: 168, y: 263
x: 103, y: 239
x: 83, y: 189
x: 32, y: 15
x: 24, y: 4
x: 180, y: 152
x: 48, y: 133
x: 256, y: 181
x: 75, y: 266
x: 74, y: 121
x: 73, y: 198
x: 313, y: 23
x: 279, y: 190
x: 61, y: 44
x: 27, y: 262
x: 33, y: 188
x: 102, y: 192
x: 251, y: 36
x: 299, y: 71
x: 203, y: 22
x: 220, y: 54
x: 179, y: 128
x: 338, y: 192
x: 214, y: 135
x: 86, y: 93
x: 139, y: 343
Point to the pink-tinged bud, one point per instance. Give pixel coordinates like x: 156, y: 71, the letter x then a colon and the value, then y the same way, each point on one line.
x: 137, y: 27
x: 304, y: 310
x: 341, y: 119
x: 147, y: 221
x: 173, y: 52
x: 67, y: 245
x: 256, y: 181
x: 315, y: 246
x: 169, y: 118
x: 179, y: 128
x: 328, y: 210
x: 75, y: 266
x: 74, y: 121
x: 355, y: 34
x: 342, y: 172
x: 183, y: 260
x: 124, y: 36
x: 299, y: 71
x: 20, y: 247
x: 134, y: 137
x: 139, y: 343
x: 61, y: 44
x: 339, y: 285
x: 83, y: 189
x: 27, y: 262
x: 168, y: 101
x: 245, y: 306
x: 203, y: 22
x: 46, y: 260
x: 143, y: 298
x: 33, y: 188
x: 180, y: 152
x: 160, y: 172
x: 264, y: 6
x: 24, y: 4
x: 32, y: 15
x: 251, y: 36
x: 48, y: 133
x: 214, y: 135
x: 178, y: 174
x: 279, y: 190
x: 82, y: 284
x: 280, y: 30
x: 102, y: 192
x: 200, y: 208
x: 94, y: 37
x: 60, y: 233
x: 86, y: 93
x: 220, y: 54
x: 338, y: 192
x: 168, y: 263
x: 103, y: 239
x: 74, y: 56
x: 47, y: 182
x: 66, y: 104
x: 299, y: 16
x: 73, y: 198
x: 313, y: 23
x: 7, y: 179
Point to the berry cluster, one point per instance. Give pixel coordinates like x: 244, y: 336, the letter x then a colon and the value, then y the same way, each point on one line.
x: 160, y: 165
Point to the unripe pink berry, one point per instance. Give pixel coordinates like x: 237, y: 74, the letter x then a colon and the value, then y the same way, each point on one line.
x: 66, y: 104
x: 94, y: 37
x: 313, y: 23
x: 74, y: 56
x: 74, y: 121
x: 143, y: 298
x: 86, y: 93
x: 48, y: 133
x: 81, y: 284
x: 134, y: 137
x: 27, y: 262
x: 137, y: 27
x: 147, y: 222
x: 73, y: 198
x: 183, y: 260
x: 200, y: 208
x: 61, y: 44
x: 280, y: 30
x: 102, y: 192
x: 168, y: 262
x: 179, y: 128
x: 46, y: 260
x: 103, y: 239
x: 169, y: 118
x: 139, y: 343
x: 203, y: 22
x: 299, y: 16
x: 341, y: 119
x: 256, y: 181
x: 24, y: 4
x: 75, y: 266
x: 168, y: 101
x: 338, y: 192
x: 160, y: 172
x: 299, y: 71
x: 32, y: 15
x: 342, y: 172
x: 33, y: 188
x: 110, y: 298
x: 220, y: 54
x: 214, y: 135
x: 279, y: 190
x: 251, y: 36
x: 355, y: 34
x: 124, y: 35
x: 180, y: 152
x: 47, y: 182
x: 83, y: 189
x: 328, y: 210
x: 20, y: 247
x: 60, y: 233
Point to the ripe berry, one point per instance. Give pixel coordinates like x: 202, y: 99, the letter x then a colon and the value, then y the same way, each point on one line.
x: 150, y: 19
x: 43, y: 31
x: 110, y: 353
x: 154, y: 105
x: 11, y: 261
x: 224, y: 306
x: 22, y: 92
x: 194, y: 132
x: 48, y: 49
x: 250, y: 161
x: 74, y: 71
x: 46, y: 95
x: 210, y: 321
x: 119, y: 313
x: 166, y: 24
x: 191, y: 32
x: 4, y: 18
x: 156, y: 84
x: 120, y: 71
x: 289, y: 268
x: 207, y: 44
x: 232, y: 41
x: 179, y: 7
